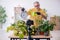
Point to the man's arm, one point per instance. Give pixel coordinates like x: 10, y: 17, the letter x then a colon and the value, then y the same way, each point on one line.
x: 44, y: 15
x: 29, y: 12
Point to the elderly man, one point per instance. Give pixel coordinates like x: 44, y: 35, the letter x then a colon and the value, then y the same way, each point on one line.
x: 37, y: 14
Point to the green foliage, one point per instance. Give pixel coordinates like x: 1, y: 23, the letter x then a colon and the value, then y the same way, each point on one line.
x: 46, y: 26
x: 21, y: 35
x: 17, y: 28
x: 33, y: 31
x: 2, y: 15
x: 20, y: 29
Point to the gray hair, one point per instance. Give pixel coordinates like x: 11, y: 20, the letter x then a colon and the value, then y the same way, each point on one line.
x: 36, y: 2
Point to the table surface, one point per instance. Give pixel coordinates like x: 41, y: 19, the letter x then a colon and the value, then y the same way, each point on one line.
x: 35, y: 36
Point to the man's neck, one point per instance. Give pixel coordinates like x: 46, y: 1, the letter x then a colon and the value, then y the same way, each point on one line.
x: 37, y: 8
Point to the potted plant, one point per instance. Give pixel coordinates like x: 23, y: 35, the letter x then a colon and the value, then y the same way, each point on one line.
x: 2, y: 16
x: 40, y: 27
x: 19, y: 29
x: 45, y: 27
x: 33, y: 30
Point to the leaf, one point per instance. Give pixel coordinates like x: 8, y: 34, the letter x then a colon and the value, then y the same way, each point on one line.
x: 2, y: 9
x: 21, y: 35
x: 2, y: 15
x: 33, y: 14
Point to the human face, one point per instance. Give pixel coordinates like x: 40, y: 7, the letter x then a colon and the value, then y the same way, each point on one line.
x: 36, y: 5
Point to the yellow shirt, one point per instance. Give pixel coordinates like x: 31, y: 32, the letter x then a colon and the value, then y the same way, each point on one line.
x: 35, y: 17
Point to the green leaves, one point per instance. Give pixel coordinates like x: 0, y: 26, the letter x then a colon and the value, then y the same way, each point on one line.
x: 10, y: 28
x: 33, y: 14
x: 21, y: 35
x: 2, y: 10
x: 17, y: 28
x: 2, y: 15
x: 46, y: 26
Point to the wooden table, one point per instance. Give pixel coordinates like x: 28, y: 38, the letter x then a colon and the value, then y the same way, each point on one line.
x: 34, y: 37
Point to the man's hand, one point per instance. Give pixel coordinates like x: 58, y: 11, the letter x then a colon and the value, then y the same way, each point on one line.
x: 38, y: 13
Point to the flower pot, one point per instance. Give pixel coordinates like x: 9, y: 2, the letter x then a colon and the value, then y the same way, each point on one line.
x: 46, y: 33
x: 41, y: 33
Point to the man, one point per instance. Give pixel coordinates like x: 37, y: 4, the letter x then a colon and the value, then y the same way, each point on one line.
x: 37, y: 14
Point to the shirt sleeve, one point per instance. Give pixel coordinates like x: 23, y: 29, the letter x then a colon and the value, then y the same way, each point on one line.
x: 44, y: 13
x: 29, y: 12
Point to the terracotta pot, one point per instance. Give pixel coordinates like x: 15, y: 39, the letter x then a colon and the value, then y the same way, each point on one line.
x: 41, y: 33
